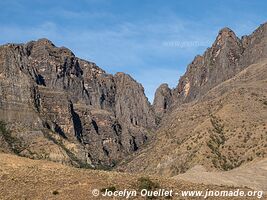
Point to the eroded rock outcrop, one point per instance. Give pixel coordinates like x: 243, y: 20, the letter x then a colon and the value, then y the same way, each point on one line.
x: 92, y: 117
x: 219, y: 63
x: 224, y: 59
x: 162, y: 100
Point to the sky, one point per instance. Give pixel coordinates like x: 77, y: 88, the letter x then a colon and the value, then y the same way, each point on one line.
x: 152, y: 40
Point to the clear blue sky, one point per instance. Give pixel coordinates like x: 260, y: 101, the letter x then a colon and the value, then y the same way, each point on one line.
x: 152, y: 40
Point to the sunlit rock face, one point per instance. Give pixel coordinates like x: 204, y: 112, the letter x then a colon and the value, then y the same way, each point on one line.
x: 227, y: 56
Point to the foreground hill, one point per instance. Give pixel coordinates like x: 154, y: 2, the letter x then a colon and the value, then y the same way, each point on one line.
x: 23, y: 178
x: 252, y: 175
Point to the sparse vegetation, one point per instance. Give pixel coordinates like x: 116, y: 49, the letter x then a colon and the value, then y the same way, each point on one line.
x: 55, y: 192
x: 71, y: 155
x: 75, y: 160
x: 217, y: 140
x: 218, y: 129
x: 111, y: 188
x: 146, y: 183
x: 13, y: 143
x: 54, y: 176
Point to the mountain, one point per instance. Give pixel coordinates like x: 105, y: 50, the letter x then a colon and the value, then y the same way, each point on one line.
x: 61, y: 108
x: 65, y: 109
x: 216, y: 116
x: 227, y: 56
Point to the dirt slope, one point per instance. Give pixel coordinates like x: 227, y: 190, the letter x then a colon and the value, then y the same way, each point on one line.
x: 252, y: 175
x: 23, y: 178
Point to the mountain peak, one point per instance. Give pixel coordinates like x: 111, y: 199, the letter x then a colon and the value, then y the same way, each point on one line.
x: 225, y: 34
x: 44, y: 46
x: 225, y: 30
x: 45, y: 41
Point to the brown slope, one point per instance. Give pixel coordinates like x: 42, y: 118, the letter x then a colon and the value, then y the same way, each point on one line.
x: 221, y: 131
x: 23, y: 178
x: 252, y: 175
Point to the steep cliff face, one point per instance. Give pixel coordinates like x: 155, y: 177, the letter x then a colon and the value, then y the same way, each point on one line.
x: 219, y: 63
x: 91, y: 117
x: 131, y: 103
x: 66, y: 109
x: 225, y: 58
x: 255, y: 46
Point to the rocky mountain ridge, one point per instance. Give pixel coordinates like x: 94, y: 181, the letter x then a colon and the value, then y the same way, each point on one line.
x: 65, y: 109
x: 227, y: 56
x: 85, y: 114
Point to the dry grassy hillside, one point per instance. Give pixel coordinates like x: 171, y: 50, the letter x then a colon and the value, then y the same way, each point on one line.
x: 23, y: 178
x: 226, y: 128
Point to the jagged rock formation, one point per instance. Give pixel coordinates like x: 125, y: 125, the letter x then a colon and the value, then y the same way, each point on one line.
x: 218, y: 113
x: 225, y: 58
x: 162, y: 100
x: 219, y: 63
x: 82, y: 114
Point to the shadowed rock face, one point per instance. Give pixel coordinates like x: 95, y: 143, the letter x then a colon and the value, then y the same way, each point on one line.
x: 97, y: 117
x: 162, y: 100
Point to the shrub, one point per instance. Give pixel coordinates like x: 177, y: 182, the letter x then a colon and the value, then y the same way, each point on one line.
x: 55, y: 192
x: 12, y: 142
x: 146, y: 183
x: 3, y: 129
x: 111, y: 188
